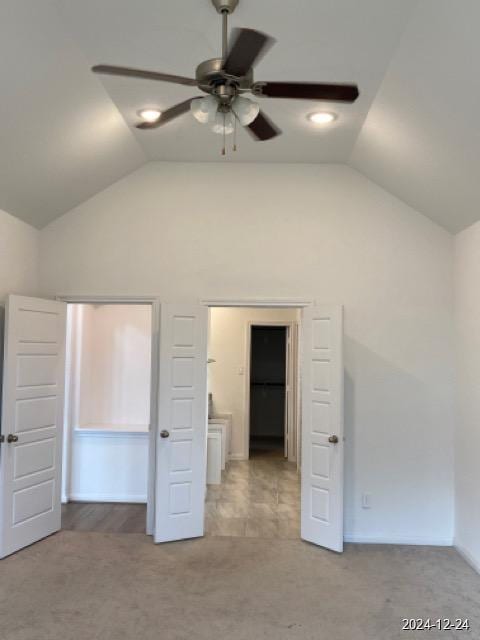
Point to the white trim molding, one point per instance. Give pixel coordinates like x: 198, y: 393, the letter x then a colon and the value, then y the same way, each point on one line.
x: 237, y: 456
x: 89, y: 299
x: 359, y: 538
x: 278, y: 303
x: 108, y: 497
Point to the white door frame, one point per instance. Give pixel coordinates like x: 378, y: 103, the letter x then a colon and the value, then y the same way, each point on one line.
x: 291, y: 424
x: 275, y: 303
x: 154, y: 302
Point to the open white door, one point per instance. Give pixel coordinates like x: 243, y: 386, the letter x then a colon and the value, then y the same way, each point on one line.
x: 182, y: 438
x: 322, y: 427
x: 32, y: 421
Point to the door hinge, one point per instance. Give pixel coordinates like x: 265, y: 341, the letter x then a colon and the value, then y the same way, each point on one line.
x: 2, y: 439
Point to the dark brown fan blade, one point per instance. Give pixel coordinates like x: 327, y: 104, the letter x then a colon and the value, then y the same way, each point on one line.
x: 247, y: 47
x: 141, y: 73
x: 307, y: 91
x: 175, y: 111
x: 262, y: 128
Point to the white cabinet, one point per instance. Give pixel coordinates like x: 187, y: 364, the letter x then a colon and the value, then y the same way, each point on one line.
x: 223, y: 426
x: 214, y: 457
x: 218, y: 448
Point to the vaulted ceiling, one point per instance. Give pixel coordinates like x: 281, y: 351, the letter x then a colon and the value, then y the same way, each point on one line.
x: 66, y: 134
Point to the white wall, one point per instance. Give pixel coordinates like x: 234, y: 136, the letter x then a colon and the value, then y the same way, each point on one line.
x: 115, y: 365
x: 109, y: 467
x: 467, y: 440
x: 188, y: 231
x: 19, y: 255
x: 19, y: 247
x: 227, y: 345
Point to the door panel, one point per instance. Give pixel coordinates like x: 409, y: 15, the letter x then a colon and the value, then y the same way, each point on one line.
x: 32, y: 411
x: 181, y: 456
x: 322, y: 417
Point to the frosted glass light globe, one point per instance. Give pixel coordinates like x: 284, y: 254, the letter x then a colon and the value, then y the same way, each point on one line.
x: 246, y: 110
x: 204, y: 109
x: 224, y: 121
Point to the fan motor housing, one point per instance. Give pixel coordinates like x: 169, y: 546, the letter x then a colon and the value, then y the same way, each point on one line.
x: 210, y: 74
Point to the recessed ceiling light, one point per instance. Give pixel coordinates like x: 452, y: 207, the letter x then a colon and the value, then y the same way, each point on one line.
x: 149, y: 115
x: 322, y: 117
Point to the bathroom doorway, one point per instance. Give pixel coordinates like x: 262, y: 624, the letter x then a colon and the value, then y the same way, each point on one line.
x: 252, y: 381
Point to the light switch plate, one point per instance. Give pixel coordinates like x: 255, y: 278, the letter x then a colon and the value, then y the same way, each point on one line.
x: 366, y: 500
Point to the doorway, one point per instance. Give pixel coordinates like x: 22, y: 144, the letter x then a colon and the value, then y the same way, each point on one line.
x: 268, y: 424
x: 251, y: 382
x: 107, y: 417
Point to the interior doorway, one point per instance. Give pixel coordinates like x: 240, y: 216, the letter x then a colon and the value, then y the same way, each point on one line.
x: 268, y: 390
x: 107, y: 420
x: 252, y: 382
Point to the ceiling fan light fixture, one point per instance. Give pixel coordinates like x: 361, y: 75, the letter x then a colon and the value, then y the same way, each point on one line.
x: 322, y: 117
x: 204, y: 109
x: 225, y: 77
x: 246, y: 110
x: 149, y: 115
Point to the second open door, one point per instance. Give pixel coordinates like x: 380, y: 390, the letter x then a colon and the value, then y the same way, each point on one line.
x: 322, y: 427
x: 182, y: 437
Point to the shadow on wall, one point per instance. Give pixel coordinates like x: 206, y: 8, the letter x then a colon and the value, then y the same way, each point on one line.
x: 398, y: 444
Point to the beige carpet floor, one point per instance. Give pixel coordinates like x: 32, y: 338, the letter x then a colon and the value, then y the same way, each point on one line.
x: 100, y: 586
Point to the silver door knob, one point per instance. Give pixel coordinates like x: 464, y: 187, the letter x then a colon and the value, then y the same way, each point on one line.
x: 164, y: 433
x: 12, y: 438
x: 333, y: 439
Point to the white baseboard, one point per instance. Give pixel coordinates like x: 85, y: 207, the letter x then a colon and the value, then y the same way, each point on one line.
x: 107, y: 497
x: 467, y: 556
x: 237, y: 456
x: 411, y: 540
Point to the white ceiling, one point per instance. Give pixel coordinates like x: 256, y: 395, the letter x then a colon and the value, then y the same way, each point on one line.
x: 421, y: 139
x: 66, y: 134
x: 61, y: 137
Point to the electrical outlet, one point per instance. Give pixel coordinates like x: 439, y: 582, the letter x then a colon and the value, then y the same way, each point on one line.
x: 366, y: 500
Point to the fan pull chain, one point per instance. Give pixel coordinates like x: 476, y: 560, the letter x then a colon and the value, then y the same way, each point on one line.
x: 224, y: 135
x: 234, y: 132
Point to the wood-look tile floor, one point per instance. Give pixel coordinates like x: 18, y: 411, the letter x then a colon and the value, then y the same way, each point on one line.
x: 258, y: 498
x: 108, y: 517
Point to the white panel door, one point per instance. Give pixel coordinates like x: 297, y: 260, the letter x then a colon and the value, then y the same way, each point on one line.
x: 32, y: 421
x: 182, y: 438
x: 322, y: 427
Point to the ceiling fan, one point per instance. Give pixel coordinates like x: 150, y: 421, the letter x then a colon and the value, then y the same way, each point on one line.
x: 226, y: 79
